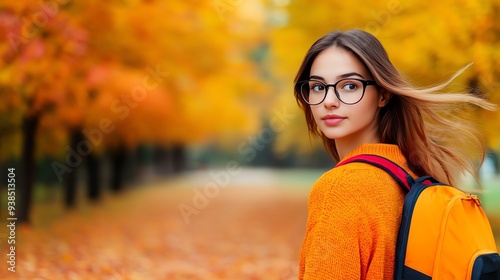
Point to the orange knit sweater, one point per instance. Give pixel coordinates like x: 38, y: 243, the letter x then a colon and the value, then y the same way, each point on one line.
x: 354, y: 216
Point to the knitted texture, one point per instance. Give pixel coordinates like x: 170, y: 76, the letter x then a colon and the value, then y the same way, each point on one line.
x: 353, y: 220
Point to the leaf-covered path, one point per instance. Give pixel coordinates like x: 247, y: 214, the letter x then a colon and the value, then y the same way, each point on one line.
x: 243, y: 232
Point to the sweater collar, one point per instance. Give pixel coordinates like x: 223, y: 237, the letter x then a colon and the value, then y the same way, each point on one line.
x: 389, y: 151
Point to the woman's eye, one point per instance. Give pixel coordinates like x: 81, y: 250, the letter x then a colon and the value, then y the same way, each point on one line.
x: 349, y: 87
x: 318, y: 87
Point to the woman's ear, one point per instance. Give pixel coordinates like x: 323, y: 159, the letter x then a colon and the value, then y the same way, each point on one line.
x: 385, y: 96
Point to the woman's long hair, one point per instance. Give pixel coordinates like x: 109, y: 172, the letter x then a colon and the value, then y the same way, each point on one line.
x: 429, y: 128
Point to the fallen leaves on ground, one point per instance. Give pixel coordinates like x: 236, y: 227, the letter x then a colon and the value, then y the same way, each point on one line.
x: 242, y: 233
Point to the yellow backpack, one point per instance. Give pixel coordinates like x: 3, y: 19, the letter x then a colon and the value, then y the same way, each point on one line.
x: 444, y: 233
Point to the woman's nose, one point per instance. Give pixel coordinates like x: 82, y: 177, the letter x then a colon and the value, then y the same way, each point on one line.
x: 331, y: 99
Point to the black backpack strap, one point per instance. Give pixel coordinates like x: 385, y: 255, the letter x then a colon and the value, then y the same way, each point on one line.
x: 398, y: 173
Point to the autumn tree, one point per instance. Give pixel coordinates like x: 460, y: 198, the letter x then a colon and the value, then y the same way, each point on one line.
x: 40, y: 51
x: 91, y: 78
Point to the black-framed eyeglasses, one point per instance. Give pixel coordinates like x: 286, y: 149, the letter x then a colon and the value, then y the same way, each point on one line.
x: 349, y: 91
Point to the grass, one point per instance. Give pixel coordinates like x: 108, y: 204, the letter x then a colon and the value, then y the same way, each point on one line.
x: 491, y: 205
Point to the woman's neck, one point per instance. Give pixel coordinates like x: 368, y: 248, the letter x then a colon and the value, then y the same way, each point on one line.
x: 345, y: 146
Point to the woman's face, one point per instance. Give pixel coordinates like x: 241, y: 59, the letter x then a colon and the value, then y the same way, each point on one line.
x: 353, y: 124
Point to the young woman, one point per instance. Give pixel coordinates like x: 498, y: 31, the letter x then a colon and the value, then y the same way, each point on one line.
x: 358, y: 103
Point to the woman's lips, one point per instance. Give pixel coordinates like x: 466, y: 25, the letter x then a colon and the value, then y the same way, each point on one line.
x: 332, y: 120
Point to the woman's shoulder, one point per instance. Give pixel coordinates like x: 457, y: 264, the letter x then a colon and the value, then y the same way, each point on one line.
x: 352, y: 174
x: 354, y: 180
x: 350, y: 189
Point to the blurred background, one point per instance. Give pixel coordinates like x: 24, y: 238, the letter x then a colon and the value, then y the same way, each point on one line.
x: 161, y: 140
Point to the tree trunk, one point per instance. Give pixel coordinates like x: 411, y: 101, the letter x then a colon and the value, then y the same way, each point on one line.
x: 162, y: 161
x: 118, y: 158
x: 178, y: 154
x: 70, y: 184
x: 93, y: 178
x: 29, y: 127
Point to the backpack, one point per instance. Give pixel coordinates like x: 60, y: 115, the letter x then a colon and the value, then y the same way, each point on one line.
x: 444, y: 233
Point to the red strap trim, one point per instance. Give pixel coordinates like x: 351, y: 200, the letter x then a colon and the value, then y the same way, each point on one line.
x: 397, y: 172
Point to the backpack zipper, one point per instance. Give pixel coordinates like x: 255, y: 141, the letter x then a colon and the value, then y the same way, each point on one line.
x: 475, y: 198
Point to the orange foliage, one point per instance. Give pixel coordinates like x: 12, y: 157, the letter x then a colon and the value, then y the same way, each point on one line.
x: 78, y: 63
